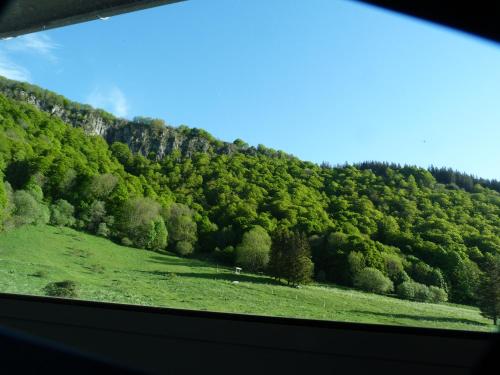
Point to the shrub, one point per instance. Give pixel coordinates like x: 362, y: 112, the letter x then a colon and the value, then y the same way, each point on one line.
x: 160, y: 237
x: 422, y: 292
x: 62, y: 213
x: 184, y: 248
x: 406, y: 290
x: 79, y: 224
x: 372, y: 280
x: 356, y: 262
x: 103, y: 230
x: 414, y: 291
x: 137, y: 221
x: 102, y: 185
x: 66, y: 288
x: 126, y: 241
x: 93, y: 214
x: 393, y: 266
x: 28, y: 210
x: 437, y: 295
x: 4, y: 199
x: 402, y: 277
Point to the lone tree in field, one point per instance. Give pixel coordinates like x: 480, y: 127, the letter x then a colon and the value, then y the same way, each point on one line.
x: 253, y: 251
x: 488, y: 292
x: 290, y: 257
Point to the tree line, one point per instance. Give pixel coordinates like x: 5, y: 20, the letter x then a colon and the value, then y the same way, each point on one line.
x: 382, y: 228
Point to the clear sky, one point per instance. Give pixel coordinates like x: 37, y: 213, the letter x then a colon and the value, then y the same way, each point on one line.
x: 324, y: 80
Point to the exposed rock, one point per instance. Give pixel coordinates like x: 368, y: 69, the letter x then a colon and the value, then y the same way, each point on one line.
x: 144, y: 138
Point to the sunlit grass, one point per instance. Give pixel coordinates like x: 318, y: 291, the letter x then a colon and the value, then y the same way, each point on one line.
x: 32, y: 257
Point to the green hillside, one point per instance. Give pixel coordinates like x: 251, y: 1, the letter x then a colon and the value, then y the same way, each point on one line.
x: 428, y: 235
x: 31, y: 257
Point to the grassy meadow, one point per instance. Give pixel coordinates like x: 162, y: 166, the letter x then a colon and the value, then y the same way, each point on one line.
x: 33, y: 256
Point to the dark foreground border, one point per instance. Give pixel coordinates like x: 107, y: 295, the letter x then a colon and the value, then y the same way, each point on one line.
x: 237, y: 317
x: 18, y: 17
x: 163, y: 340
x: 156, y: 340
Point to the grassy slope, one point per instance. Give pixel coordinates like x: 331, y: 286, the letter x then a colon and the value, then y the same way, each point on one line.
x: 108, y: 272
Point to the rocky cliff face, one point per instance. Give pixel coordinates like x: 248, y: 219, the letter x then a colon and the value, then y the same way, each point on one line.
x: 145, y: 139
x: 85, y: 117
x: 142, y: 138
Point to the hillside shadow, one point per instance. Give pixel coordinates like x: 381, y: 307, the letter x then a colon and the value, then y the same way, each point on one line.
x: 171, y: 260
x: 421, y: 318
x: 216, y: 276
x: 162, y: 274
x: 333, y: 286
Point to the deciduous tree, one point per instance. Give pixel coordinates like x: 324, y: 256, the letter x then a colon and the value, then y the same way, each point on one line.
x: 253, y: 251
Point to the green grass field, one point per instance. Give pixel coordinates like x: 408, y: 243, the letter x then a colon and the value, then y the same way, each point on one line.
x: 31, y: 257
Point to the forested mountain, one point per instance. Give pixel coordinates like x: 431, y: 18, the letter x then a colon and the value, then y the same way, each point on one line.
x: 154, y: 186
x: 150, y: 137
x: 453, y: 179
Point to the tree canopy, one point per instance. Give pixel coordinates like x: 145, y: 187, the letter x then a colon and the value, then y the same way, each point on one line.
x: 432, y: 227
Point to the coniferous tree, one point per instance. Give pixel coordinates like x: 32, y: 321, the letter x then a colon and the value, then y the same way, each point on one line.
x: 298, y: 259
x: 290, y: 257
x: 488, y: 292
x: 279, y: 243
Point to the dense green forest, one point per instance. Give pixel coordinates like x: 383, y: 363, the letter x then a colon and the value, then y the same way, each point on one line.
x: 426, y: 234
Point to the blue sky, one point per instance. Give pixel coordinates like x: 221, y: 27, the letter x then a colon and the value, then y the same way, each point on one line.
x: 324, y: 80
